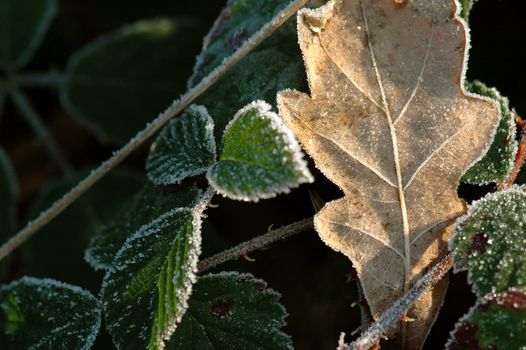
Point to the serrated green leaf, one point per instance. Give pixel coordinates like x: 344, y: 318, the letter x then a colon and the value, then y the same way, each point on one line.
x: 23, y: 25
x: 61, y: 244
x: 495, y: 322
x: 120, y: 82
x: 185, y: 147
x: 8, y: 196
x: 253, y: 78
x: 145, y: 293
x: 260, y: 156
x: 147, y: 205
x: 496, y: 165
x: 232, y: 311
x: 47, y: 314
x: 490, y: 242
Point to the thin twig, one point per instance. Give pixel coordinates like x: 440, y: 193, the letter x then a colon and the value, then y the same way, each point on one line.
x: 150, y: 129
x: 371, y: 336
x: 2, y: 101
x: 52, y: 79
x: 520, y: 158
x: 256, y: 243
x: 25, y: 108
x: 365, y: 313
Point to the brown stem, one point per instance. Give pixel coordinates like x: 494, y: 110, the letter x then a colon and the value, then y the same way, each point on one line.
x: 256, y: 243
x: 520, y: 159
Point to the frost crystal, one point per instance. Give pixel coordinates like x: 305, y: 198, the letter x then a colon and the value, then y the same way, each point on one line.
x: 490, y: 242
x: 260, y: 157
x: 47, y: 314
x: 234, y: 311
x: 497, y: 321
x: 185, y: 147
x: 146, y: 291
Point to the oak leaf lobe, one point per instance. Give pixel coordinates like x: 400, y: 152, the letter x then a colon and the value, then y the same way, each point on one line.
x: 389, y: 122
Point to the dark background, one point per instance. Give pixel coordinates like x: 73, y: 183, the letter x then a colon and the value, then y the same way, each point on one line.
x: 311, y: 278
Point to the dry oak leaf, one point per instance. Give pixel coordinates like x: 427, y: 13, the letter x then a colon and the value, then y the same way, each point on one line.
x: 390, y: 123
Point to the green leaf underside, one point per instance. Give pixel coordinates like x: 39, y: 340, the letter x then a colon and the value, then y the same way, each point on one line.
x: 490, y: 242
x: 145, y: 293
x: 120, y: 82
x: 47, y: 314
x: 8, y: 197
x: 239, y: 20
x: 146, y: 206
x: 253, y: 78
x: 185, y: 147
x: 233, y: 311
x: 260, y: 156
x: 496, y: 165
x: 61, y: 243
x: 23, y: 25
x: 494, y: 323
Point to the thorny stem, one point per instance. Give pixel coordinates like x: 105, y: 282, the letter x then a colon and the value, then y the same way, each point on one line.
x: 371, y: 336
x: 177, y: 106
x: 365, y: 313
x: 24, y: 106
x: 2, y: 101
x: 52, y: 79
x: 256, y: 243
x: 520, y: 159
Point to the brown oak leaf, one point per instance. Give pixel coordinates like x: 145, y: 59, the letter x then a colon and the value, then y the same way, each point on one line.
x: 389, y: 122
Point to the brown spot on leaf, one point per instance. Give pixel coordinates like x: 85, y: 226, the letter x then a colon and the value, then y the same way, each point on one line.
x: 465, y: 337
x: 513, y: 299
x: 236, y: 40
x: 222, y: 307
x: 479, y: 242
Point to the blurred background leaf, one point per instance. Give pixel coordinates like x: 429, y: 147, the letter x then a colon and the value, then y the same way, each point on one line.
x: 57, y: 251
x: 120, y: 82
x: 23, y: 25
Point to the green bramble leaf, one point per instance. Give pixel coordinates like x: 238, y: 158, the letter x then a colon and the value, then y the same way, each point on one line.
x: 185, y: 147
x: 8, y: 196
x: 490, y: 242
x: 497, y: 164
x: 495, y: 322
x: 466, y: 6
x: 238, y: 21
x: 47, y: 314
x: 118, y: 83
x: 253, y: 78
x: 232, y: 311
x: 146, y: 291
x: 66, y: 237
x: 260, y: 156
x: 23, y: 25
x: 146, y: 206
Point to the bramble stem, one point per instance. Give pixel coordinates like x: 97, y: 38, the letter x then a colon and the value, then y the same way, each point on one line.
x: 371, y: 336
x: 52, y: 79
x: 2, y: 101
x: 520, y: 159
x: 256, y: 243
x: 176, y: 107
x: 25, y: 108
